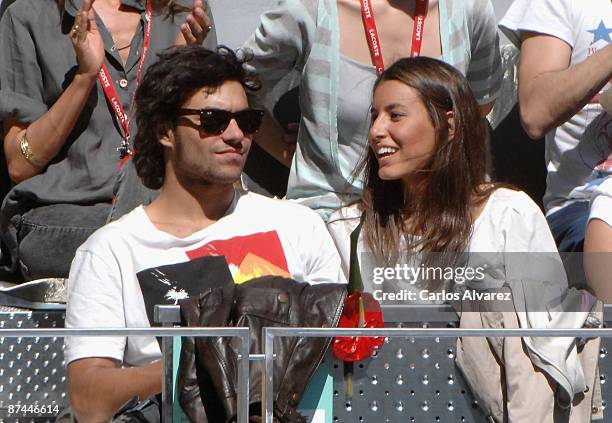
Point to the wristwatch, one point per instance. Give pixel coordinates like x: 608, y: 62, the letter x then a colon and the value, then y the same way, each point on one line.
x: 27, y: 152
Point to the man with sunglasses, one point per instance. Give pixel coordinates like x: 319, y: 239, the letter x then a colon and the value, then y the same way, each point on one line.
x: 195, y: 130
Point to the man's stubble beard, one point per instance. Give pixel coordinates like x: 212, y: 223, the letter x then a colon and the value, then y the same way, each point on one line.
x: 192, y: 173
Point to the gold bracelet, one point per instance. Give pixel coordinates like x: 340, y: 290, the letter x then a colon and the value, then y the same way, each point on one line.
x: 27, y: 152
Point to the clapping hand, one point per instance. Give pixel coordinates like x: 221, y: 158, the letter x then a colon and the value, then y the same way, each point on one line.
x: 87, y: 40
x: 196, y: 26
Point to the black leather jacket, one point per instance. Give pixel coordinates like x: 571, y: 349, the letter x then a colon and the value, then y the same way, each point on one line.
x: 207, y: 374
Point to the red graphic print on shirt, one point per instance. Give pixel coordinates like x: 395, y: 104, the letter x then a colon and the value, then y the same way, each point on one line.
x: 249, y: 256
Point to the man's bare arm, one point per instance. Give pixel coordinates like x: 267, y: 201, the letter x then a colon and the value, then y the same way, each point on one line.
x: 47, y: 135
x: 97, y: 387
x: 550, y: 91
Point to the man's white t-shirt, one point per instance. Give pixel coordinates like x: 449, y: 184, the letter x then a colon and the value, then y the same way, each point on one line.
x: 128, y: 266
x: 577, y: 152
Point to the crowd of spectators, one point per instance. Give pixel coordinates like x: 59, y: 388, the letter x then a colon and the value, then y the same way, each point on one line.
x: 127, y: 148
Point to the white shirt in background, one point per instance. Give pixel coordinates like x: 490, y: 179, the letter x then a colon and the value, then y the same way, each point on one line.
x: 577, y: 152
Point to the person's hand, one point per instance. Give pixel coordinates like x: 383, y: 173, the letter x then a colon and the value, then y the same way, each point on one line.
x: 87, y: 40
x: 196, y: 26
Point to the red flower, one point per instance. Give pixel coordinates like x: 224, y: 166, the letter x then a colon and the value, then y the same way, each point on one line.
x: 361, y: 310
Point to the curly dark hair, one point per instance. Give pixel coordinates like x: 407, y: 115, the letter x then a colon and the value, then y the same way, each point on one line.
x: 166, y: 86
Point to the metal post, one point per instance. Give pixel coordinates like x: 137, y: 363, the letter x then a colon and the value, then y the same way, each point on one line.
x: 243, y: 380
x: 267, y: 381
x: 167, y: 391
x: 168, y: 316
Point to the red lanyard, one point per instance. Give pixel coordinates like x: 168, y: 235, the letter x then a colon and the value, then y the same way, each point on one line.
x: 367, y: 14
x: 110, y: 92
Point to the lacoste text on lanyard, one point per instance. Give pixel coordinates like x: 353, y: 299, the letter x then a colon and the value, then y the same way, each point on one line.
x: 111, y: 93
x: 367, y: 14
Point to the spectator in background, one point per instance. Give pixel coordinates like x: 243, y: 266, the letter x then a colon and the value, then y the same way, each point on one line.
x: 3, y: 5
x: 62, y: 135
x: 566, y: 61
x: 195, y: 131
x: 426, y: 193
x: 337, y: 58
x: 5, y: 180
x: 598, y: 242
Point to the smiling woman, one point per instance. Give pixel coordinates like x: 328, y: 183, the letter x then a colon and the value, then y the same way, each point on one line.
x: 427, y: 126
x: 427, y: 204
x: 402, y: 136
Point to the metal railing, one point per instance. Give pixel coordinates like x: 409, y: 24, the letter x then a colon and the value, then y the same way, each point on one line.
x: 235, y: 332
x: 269, y: 333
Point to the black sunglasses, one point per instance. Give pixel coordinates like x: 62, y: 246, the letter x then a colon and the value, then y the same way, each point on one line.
x: 215, y: 121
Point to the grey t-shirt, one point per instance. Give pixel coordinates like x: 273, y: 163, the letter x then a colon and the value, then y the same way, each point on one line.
x: 354, y: 91
x: 37, y: 62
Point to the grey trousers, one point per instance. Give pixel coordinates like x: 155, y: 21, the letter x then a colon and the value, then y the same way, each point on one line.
x: 40, y: 241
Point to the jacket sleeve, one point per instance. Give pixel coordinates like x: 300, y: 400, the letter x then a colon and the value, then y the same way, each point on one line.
x: 281, y: 44
x: 542, y: 298
x: 484, y: 69
x: 530, y: 250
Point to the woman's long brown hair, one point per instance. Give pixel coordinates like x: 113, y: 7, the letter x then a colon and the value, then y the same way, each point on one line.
x: 453, y: 177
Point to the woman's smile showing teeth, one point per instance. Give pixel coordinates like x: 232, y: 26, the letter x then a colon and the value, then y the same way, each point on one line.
x: 385, y: 151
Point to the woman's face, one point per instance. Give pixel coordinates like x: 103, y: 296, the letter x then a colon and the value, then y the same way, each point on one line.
x: 402, y: 135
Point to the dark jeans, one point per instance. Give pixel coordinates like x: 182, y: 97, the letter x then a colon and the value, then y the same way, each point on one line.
x: 48, y: 237
x: 41, y: 241
x: 568, y: 226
